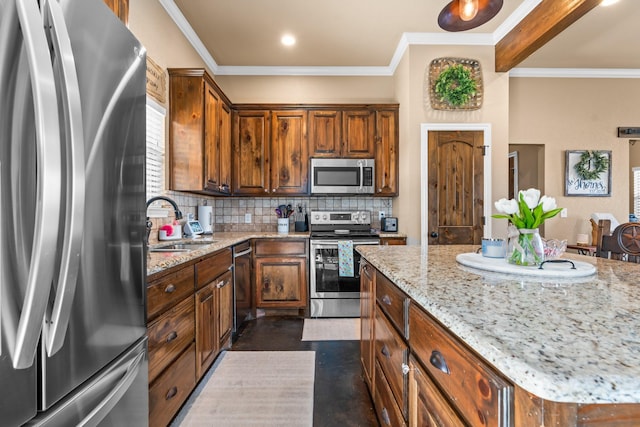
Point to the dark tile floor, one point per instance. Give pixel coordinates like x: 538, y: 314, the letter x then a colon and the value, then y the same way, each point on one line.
x: 341, y: 397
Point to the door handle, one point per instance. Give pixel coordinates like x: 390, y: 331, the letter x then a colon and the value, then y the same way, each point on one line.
x: 55, y: 329
x: 434, y: 234
x: 48, y: 159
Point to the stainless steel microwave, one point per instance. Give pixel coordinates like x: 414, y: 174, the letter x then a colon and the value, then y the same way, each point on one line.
x: 342, y: 176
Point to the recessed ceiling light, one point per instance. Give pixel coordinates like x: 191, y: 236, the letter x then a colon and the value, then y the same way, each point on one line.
x: 608, y: 2
x: 288, y: 40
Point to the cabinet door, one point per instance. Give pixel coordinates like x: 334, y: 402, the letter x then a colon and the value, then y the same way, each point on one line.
x: 324, y: 133
x: 386, y: 143
x: 358, y: 133
x: 224, y: 134
x: 211, y: 139
x: 224, y: 289
x: 367, y: 306
x: 289, y: 152
x: 427, y: 406
x: 250, y: 152
x: 120, y: 8
x: 206, y: 325
x: 281, y: 282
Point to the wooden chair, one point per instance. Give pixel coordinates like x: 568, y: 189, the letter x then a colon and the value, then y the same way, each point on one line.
x: 623, y: 244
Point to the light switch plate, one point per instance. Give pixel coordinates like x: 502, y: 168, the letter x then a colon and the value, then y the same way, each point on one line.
x: 247, y: 218
x: 563, y: 213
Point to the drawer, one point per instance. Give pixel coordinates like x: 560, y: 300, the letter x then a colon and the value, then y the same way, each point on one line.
x: 480, y: 395
x: 392, y: 300
x: 428, y: 407
x: 168, y: 291
x: 280, y: 247
x: 387, y: 409
x: 208, y: 269
x: 391, y: 353
x: 172, y: 388
x: 169, y: 335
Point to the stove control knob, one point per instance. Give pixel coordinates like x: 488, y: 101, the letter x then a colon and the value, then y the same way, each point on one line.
x: 324, y: 217
x: 363, y: 216
x: 316, y: 216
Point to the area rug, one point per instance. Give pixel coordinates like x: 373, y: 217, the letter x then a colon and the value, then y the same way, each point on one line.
x: 331, y: 329
x: 256, y: 388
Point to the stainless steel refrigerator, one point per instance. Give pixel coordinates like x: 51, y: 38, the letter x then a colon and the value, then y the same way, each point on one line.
x: 72, y: 220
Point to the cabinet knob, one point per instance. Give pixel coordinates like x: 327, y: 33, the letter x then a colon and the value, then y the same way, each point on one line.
x: 266, y: 190
x: 385, y: 352
x: 405, y: 369
x: 172, y: 336
x: 438, y: 361
x: 171, y: 393
x: 170, y: 289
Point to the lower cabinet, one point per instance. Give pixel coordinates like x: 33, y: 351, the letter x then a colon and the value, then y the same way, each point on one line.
x: 280, y: 268
x: 367, y: 305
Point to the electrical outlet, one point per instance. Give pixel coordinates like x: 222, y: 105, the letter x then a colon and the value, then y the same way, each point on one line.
x: 563, y: 213
x: 380, y: 215
x: 247, y: 218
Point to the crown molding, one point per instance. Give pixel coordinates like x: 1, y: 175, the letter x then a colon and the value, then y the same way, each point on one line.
x: 576, y: 73
x: 407, y: 39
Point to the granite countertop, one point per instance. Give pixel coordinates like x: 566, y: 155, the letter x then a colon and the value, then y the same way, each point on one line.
x: 160, y: 261
x: 562, y: 340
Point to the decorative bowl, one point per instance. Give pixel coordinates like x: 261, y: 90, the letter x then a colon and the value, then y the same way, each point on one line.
x: 554, y: 248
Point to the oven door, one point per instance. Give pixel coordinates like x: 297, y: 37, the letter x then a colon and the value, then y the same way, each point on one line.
x: 325, y: 280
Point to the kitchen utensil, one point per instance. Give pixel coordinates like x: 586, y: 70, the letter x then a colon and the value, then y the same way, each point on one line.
x: 279, y: 212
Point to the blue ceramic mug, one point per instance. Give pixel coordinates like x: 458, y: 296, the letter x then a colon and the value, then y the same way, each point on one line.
x: 493, y: 248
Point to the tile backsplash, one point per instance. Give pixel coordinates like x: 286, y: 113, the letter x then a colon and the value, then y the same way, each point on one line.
x: 229, y: 212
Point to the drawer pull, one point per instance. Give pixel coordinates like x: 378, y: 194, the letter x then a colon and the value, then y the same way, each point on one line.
x: 405, y: 369
x: 171, y: 393
x: 385, y: 352
x: 169, y: 289
x: 437, y: 360
x: 385, y: 417
x: 222, y: 284
x: 386, y: 299
x: 172, y: 336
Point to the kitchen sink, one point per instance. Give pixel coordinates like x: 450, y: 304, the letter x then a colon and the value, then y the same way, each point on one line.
x: 180, y: 247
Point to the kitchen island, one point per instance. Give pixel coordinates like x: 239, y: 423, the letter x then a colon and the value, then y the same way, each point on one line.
x: 560, y: 340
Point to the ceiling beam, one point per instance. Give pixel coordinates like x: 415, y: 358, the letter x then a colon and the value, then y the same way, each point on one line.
x: 546, y: 21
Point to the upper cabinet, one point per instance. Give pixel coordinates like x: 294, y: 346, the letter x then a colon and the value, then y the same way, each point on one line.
x: 358, y: 130
x: 341, y: 133
x: 199, y: 134
x: 270, y: 152
x: 120, y: 8
x: 386, y: 149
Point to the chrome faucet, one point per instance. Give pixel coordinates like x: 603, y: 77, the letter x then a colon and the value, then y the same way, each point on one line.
x: 177, y: 211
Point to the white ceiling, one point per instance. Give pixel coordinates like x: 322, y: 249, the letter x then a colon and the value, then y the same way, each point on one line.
x: 368, y: 37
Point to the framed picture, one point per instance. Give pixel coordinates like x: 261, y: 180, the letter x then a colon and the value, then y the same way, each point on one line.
x: 587, y: 173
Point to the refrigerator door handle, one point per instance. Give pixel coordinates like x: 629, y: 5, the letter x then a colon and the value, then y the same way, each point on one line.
x: 48, y: 191
x: 106, y: 405
x: 57, y: 321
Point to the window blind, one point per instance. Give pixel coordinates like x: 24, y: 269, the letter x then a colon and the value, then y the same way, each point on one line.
x: 155, y: 148
x: 636, y: 191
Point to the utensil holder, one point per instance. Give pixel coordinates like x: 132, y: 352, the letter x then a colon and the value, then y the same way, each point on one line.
x: 283, y: 225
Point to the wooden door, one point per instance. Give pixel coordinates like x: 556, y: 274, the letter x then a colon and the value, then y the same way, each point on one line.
x: 455, y: 187
x: 211, y: 138
x: 386, y: 144
x: 250, y: 156
x: 224, y: 288
x: 324, y: 133
x: 289, y: 152
x: 224, y: 132
x: 206, y: 340
x: 281, y: 282
x: 358, y: 131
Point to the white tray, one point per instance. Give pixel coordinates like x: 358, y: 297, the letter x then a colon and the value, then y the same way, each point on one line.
x: 500, y: 265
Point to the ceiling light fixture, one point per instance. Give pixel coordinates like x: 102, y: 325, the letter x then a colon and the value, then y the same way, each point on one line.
x: 461, y: 15
x: 288, y: 40
x: 608, y: 2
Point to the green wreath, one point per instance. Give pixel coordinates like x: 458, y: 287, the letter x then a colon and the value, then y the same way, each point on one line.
x: 591, y: 165
x: 455, y: 85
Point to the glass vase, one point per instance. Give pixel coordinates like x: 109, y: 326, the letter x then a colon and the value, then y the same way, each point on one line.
x: 525, y: 248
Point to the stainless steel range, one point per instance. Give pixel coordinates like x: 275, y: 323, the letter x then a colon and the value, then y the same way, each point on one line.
x: 335, y: 292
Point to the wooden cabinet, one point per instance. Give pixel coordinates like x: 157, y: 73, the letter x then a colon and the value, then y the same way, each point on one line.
x: 358, y: 131
x: 472, y: 388
x: 171, y: 332
x: 325, y: 133
x: 367, y: 318
x: 199, y: 134
x: 214, y: 308
x: 388, y: 241
x: 386, y: 153
x: 251, y: 135
x: 342, y: 133
x: 270, y: 152
x: 289, y: 152
x: 280, y: 267
x: 120, y: 8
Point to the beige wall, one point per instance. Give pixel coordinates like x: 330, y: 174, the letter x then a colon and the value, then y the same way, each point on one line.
x: 576, y: 114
